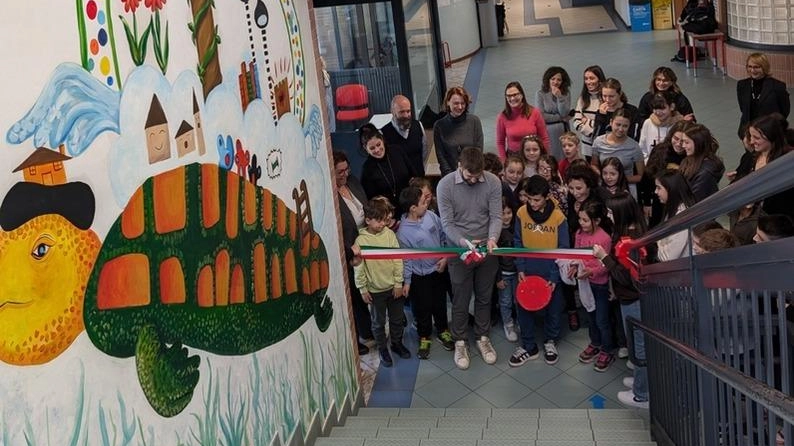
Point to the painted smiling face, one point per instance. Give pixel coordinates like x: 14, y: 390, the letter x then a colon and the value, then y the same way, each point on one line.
x: 44, y: 268
x: 158, y: 143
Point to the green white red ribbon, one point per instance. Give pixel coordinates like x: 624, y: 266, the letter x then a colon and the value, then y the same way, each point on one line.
x: 376, y: 253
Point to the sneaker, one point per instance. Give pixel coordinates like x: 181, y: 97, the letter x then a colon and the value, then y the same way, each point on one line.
x: 623, y: 352
x: 385, y: 358
x: 604, y: 361
x: 424, y: 348
x: 628, y: 382
x: 550, y: 354
x: 400, y: 349
x: 486, y: 350
x: 629, y: 365
x: 573, y: 320
x: 589, y: 354
x: 627, y: 397
x: 445, y: 338
x: 510, y: 332
x: 461, y: 355
x: 521, y: 356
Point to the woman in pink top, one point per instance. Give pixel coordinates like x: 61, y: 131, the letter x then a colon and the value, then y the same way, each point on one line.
x: 517, y: 120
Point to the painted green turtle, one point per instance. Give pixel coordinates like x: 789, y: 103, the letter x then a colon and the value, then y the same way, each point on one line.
x: 201, y: 257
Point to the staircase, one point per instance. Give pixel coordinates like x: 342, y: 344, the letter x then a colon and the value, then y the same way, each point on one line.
x: 490, y: 427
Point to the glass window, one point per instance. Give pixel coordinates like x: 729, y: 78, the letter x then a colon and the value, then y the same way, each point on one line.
x: 359, y: 52
x: 421, y: 54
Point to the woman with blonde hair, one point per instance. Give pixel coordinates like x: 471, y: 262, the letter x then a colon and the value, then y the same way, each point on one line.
x: 760, y: 94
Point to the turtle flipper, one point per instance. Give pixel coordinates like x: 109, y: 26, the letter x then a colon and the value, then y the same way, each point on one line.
x: 323, y: 313
x: 167, y: 375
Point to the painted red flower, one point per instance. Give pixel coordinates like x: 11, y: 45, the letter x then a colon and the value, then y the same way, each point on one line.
x: 131, y: 5
x: 154, y: 5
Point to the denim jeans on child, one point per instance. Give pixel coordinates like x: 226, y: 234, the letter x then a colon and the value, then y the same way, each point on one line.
x: 551, y: 320
x: 640, y: 373
x: 383, y: 303
x: 599, y: 328
x: 507, y: 297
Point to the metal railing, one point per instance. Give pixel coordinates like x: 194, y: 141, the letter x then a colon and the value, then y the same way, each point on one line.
x: 717, y: 339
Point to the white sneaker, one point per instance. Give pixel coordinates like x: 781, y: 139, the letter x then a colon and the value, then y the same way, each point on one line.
x: 623, y: 353
x: 510, y: 332
x: 486, y: 350
x: 628, y: 382
x: 630, y: 365
x: 627, y: 397
x: 461, y: 355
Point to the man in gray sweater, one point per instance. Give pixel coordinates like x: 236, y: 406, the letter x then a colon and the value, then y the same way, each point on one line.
x: 470, y: 204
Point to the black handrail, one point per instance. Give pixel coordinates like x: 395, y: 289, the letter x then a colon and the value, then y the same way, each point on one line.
x: 774, y: 177
x: 774, y: 400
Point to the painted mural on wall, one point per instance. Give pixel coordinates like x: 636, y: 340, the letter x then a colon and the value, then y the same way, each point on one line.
x: 168, y: 252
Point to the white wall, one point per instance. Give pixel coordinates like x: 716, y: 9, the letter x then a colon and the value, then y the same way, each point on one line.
x: 458, y: 25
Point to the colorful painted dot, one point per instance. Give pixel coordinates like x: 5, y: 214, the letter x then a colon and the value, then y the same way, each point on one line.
x: 91, y: 9
x: 94, y: 45
x: 102, y: 36
x: 90, y: 65
x: 104, y: 65
x: 100, y: 17
x: 110, y: 81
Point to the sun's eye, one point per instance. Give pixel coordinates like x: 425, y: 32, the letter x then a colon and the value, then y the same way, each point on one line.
x: 41, y: 250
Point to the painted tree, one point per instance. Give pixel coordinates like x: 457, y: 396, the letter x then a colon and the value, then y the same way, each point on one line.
x: 206, y: 38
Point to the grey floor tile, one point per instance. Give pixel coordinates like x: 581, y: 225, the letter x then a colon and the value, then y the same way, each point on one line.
x: 443, y: 391
x: 534, y: 400
x: 378, y: 412
x: 392, y: 442
x: 516, y: 442
x: 403, y: 432
x: 427, y: 372
x: 450, y: 432
x: 417, y: 402
x: 602, y: 402
x: 476, y: 375
x: 448, y: 442
x: 587, y: 375
x: 468, y: 412
x: 355, y: 432
x: 413, y: 422
x: 462, y: 422
x: 623, y: 435
x: 534, y: 374
x: 341, y: 441
x: 500, y: 414
x: 565, y: 391
x: 503, y: 391
x: 472, y: 401
x: 422, y: 412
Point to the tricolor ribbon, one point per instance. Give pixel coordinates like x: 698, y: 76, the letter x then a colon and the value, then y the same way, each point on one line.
x: 375, y: 253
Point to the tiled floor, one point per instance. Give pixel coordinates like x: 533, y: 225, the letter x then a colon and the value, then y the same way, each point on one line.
x: 630, y: 57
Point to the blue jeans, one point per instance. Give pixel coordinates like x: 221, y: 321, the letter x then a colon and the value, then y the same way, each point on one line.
x: 551, y: 323
x: 640, y: 373
x: 599, y: 329
x: 507, y: 298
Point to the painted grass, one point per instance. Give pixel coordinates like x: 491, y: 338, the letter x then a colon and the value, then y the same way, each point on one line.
x: 250, y: 409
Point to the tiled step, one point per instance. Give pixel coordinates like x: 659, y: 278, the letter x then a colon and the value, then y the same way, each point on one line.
x: 490, y: 427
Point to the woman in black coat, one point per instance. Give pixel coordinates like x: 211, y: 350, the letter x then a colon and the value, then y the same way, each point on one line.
x: 352, y: 198
x: 385, y: 172
x: 761, y: 94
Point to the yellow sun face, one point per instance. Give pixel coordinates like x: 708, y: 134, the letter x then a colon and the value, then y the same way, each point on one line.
x: 44, y: 268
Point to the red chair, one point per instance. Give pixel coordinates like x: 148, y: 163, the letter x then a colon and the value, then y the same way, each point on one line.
x: 352, y: 103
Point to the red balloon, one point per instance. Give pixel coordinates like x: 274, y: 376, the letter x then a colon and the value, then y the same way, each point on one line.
x: 533, y: 293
